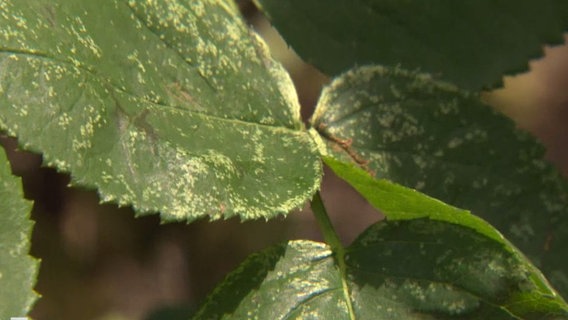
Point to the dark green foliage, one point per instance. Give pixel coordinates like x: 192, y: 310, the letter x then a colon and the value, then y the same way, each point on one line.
x: 470, y: 43
x: 414, y: 269
x: 445, y: 142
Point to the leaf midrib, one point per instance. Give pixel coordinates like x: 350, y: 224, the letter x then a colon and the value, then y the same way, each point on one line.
x: 35, y: 54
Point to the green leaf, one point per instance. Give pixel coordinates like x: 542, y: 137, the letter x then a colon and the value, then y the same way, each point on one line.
x: 397, y: 202
x: 171, y: 106
x: 18, y: 270
x: 446, y: 143
x: 286, y: 281
x: 417, y: 269
x: 470, y: 43
x: 446, y: 271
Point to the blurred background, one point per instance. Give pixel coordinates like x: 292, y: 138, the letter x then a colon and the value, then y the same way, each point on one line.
x: 100, y: 262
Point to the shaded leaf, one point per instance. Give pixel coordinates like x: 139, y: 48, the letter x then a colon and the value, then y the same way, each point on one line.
x: 417, y: 269
x: 18, y: 270
x: 171, y: 106
x: 446, y: 143
x: 470, y: 43
x: 444, y: 271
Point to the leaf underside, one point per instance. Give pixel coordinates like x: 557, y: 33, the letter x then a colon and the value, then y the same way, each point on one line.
x: 417, y: 269
x: 444, y: 142
x: 171, y: 106
x: 470, y: 43
x: 18, y: 270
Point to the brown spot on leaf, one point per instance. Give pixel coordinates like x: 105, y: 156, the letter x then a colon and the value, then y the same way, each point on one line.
x: 345, y: 145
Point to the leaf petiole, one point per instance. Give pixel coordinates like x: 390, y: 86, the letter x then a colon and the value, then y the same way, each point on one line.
x: 332, y: 239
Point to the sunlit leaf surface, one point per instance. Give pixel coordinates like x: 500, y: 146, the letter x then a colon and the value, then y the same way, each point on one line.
x: 171, y: 106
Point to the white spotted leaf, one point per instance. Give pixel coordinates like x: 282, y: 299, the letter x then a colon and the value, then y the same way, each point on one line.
x: 445, y: 142
x: 408, y: 269
x: 171, y: 106
x: 18, y: 270
x: 469, y: 43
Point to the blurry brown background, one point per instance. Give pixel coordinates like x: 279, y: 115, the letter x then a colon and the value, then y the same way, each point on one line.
x: 99, y: 262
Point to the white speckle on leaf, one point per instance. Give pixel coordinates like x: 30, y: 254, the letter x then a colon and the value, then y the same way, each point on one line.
x: 454, y: 143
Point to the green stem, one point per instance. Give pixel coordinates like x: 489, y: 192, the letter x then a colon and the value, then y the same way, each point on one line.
x: 332, y: 239
x: 329, y: 234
